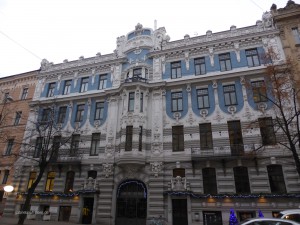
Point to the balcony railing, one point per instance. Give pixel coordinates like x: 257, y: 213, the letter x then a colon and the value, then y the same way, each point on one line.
x: 135, y: 79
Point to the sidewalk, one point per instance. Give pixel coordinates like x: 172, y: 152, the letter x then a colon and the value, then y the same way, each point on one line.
x: 14, y: 221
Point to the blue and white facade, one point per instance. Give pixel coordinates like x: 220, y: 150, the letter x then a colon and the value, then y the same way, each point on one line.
x: 170, y: 129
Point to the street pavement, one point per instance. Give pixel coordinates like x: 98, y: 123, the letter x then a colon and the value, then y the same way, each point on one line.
x: 13, y: 221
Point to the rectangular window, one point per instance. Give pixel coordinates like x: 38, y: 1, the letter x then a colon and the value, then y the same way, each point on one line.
x: 141, y: 102
x: 200, y: 66
x: 67, y: 87
x: 9, y: 147
x: 51, y: 90
x: 267, y: 131
x: 99, y: 111
x: 177, y: 138
x: 95, y: 144
x: 241, y: 180
x: 18, y: 118
x: 50, y: 181
x: 177, y: 101
x: 141, y: 138
x: 209, y: 181
x: 252, y: 57
x: 75, y: 144
x: 296, y: 35
x: 179, y: 172
x: 206, y: 140
x: 5, y: 177
x: 229, y: 95
x: 46, y: 115
x: 259, y: 91
x: 225, y: 62
x: 32, y: 177
x: 84, y: 84
x: 69, y: 181
x: 131, y: 102
x: 56, y: 145
x: 202, y: 98
x: 235, y: 137
x: 6, y: 97
x: 38, y: 147
x: 24, y: 93
x: 276, y: 179
x: 128, y: 143
x: 62, y: 114
x: 79, y: 113
x: 102, y: 82
x: 176, y: 70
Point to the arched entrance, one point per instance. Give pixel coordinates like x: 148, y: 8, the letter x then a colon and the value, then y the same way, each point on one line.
x: 131, y: 208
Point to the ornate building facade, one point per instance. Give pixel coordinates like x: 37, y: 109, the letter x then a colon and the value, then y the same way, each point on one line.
x: 166, y: 130
x: 16, y: 92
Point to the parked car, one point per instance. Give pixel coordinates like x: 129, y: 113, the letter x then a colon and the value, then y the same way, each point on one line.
x: 291, y: 214
x: 268, y: 221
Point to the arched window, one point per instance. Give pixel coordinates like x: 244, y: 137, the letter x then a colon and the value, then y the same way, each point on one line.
x: 69, y: 181
x: 241, y: 179
x: 276, y: 179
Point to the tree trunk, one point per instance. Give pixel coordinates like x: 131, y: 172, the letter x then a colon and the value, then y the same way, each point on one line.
x: 26, y: 207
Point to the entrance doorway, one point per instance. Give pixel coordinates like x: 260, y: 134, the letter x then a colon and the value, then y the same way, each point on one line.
x: 64, y: 213
x: 87, y: 210
x: 179, y: 208
x: 131, y: 203
x: 212, y: 218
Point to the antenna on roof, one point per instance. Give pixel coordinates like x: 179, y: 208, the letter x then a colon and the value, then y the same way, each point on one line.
x: 155, y: 24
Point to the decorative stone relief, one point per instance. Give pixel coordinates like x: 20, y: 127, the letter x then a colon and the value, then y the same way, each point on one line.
x: 203, y: 113
x: 156, y: 69
x: 45, y: 65
x: 177, y: 116
x: 237, y: 51
x: 156, y: 147
x: 248, y: 114
x: 231, y: 109
x: 163, y: 63
x: 211, y: 55
x: 110, y: 148
x: 267, y: 19
x: 97, y: 124
x: 131, y: 171
x: 218, y: 116
x: 187, y: 60
x: 262, y: 106
x: 190, y: 119
x: 156, y: 168
x: 107, y: 169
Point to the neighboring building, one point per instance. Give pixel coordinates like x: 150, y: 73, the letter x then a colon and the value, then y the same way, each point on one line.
x: 16, y: 92
x: 287, y: 20
x: 165, y: 129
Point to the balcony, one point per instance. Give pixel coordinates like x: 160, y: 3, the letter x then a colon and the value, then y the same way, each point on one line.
x: 135, y: 79
x: 179, y: 184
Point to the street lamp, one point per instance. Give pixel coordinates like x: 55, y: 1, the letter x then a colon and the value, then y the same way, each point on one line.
x: 8, y: 188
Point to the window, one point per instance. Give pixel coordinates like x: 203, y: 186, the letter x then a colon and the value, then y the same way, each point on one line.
x: 9, y: 147
x: 252, y: 57
x: 56, y: 145
x: 235, y: 137
x: 212, y: 218
x: 259, y: 91
x: 225, y: 63
x: 296, y: 35
x: 128, y: 143
x: 175, y: 70
x: 62, y: 114
x: 67, y: 87
x: 241, y: 179
x: 177, y: 138
x: 209, y: 181
x: 177, y: 101
x: 200, y: 66
x: 140, y: 138
x: 79, y: 113
x: 141, y: 102
x: 102, y: 81
x: 51, y: 90
x: 24, y: 93
x: 18, y: 118
x: 206, y: 141
x: 276, y: 179
x: 46, y: 115
x: 74, y: 144
x: 69, y: 181
x: 243, y: 215
x: 267, y: 131
x: 5, y: 177
x: 92, y: 174
x: 131, y: 102
x: 99, y: 111
x: 84, y: 84
x: 229, y: 95
x: 32, y: 177
x: 179, y: 172
x: 38, y: 147
x: 50, y: 181
x: 137, y: 73
x: 6, y: 97
x: 202, y: 98
x: 95, y: 143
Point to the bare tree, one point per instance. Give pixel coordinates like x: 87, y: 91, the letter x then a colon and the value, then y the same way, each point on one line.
x: 43, y: 144
x: 281, y: 89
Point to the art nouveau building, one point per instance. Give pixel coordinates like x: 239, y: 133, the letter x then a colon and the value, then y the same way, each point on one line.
x: 165, y: 129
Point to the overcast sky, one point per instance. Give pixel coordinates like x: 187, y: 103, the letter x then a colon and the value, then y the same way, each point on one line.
x: 31, y: 30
